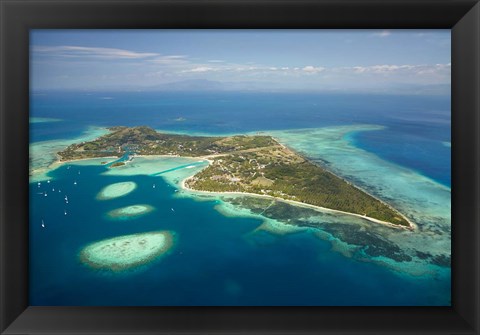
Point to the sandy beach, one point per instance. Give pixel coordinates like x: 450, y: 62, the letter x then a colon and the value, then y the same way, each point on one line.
x: 297, y: 203
x: 292, y: 202
x: 208, y: 158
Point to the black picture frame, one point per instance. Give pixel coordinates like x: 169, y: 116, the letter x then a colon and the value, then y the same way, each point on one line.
x: 18, y: 16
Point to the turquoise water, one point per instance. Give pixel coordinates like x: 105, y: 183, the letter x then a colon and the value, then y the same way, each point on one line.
x: 224, y: 252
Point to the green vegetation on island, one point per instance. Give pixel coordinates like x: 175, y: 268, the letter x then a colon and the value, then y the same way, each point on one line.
x: 281, y: 173
x: 249, y: 164
x: 146, y: 141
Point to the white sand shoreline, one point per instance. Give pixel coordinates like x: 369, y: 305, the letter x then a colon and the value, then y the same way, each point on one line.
x: 83, y: 159
x: 296, y: 203
x: 292, y: 202
x: 411, y: 224
x: 140, y: 156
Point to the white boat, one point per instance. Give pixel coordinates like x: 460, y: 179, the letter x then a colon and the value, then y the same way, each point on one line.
x: 153, y: 185
x: 172, y: 209
x: 43, y: 224
x: 65, y: 212
x: 45, y: 194
x: 53, y: 190
x: 48, y: 181
x: 74, y: 183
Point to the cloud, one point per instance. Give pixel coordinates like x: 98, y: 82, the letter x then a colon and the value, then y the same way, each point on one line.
x: 383, y: 33
x: 243, y: 68
x: 437, y: 69
x: 396, y: 69
x: 312, y: 69
x: 162, y: 66
x: 388, y: 68
x: 91, y: 52
x: 199, y: 69
x: 170, y: 59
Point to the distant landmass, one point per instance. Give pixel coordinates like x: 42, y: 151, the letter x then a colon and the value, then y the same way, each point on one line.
x: 205, y: 85
x: 258, y: 165
x: 212, y: 85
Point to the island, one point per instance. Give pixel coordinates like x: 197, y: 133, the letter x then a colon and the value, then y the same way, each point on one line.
x: 251, y: 164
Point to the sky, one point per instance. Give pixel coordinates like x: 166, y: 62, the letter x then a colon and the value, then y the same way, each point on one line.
x: 411, y: 61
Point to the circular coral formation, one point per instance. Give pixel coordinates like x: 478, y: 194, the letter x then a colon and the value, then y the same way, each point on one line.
x: 129, y: 212
x: 127, y: 251
x: 116, y: 190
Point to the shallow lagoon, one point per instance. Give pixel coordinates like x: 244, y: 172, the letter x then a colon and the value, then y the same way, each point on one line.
x: 256, y: 228
x: 233, y: 251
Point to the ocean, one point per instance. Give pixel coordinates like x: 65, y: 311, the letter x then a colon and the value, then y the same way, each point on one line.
x: 396, y: 147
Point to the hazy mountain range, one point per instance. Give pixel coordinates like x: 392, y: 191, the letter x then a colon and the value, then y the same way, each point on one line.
x: 204, y: 85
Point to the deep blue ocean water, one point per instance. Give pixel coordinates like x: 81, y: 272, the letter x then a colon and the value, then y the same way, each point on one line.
x: 214, y: 260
